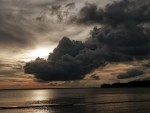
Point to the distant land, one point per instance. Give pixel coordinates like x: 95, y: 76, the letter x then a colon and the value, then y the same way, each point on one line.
x: 53, y: 88
x: 145, y: 83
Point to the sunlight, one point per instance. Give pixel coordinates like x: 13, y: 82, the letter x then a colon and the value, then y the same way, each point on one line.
x: 41, y: 95
x: 40, y: 52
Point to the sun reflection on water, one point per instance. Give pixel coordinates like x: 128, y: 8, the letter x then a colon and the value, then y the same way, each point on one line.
x: 41, y: 95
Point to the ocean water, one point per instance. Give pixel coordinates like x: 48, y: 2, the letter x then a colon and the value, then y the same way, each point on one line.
x: 94, y: 100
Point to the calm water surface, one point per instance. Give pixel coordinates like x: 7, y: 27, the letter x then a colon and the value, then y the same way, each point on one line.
x: 113, y: 100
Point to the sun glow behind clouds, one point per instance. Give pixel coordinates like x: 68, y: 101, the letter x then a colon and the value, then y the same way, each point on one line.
x: 40, y: 52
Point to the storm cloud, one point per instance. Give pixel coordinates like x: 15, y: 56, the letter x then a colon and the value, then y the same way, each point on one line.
x: 69, y: 61
x: 125, y: 12
x: 123, y: 36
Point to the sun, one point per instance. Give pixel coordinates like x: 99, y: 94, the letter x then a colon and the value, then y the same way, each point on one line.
x: 40, y: 52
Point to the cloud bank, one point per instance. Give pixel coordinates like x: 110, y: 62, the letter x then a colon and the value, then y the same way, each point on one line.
x: 124, y: 36
x: 126, y: 12
x: 130, y: 73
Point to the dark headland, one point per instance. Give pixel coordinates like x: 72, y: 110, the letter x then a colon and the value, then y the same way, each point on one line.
x: 145, y: 83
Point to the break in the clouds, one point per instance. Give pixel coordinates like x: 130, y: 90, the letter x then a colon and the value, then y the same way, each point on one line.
x: 124, y: 36
x: 130, y: 74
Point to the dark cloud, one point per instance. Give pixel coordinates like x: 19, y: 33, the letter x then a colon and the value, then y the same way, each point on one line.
x: 147, y: 64
x: 66, y: 46
x: 70, y: 5
x: 124, y: 12
x: 130, y: 73
x: 122, y: 37
x: 94, y: 76
x: 67, y: 62
x: 64, y: 66
x: 59, y: 12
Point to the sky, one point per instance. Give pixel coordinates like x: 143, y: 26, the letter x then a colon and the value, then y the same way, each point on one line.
x: 73, y: 43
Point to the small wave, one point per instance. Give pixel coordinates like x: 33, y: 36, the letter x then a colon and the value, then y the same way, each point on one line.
x: 59, y: 105
x: 35, y: 105
x: 81, y: 104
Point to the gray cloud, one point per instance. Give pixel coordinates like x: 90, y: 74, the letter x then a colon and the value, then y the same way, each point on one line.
x: 13, y: 32
x: 69, y: 84
x: 129, y: 74
x: 15, y: 65
x: 94, y: 76
x: 122, y: 37
x: 58, y: 13
x: 19, y: 29
x: 11, y: 68
x: 70, y: 5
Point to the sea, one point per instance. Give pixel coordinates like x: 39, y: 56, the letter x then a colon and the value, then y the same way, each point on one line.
x: 82, y: 100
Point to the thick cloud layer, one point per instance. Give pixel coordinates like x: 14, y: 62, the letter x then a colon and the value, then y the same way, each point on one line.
x: 123, y: 37
x: 130, y: 73
x: 69, y: 61
x: 124, y: 12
